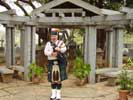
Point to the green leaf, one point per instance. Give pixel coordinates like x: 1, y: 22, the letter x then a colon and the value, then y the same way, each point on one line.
x: 80, y: 69
x: 35, y: 70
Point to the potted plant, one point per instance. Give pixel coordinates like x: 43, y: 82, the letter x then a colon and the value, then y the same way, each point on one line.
x: 81, y: 70
x: 130, y: 85
x: 123, y: 83
x: 36, y: 73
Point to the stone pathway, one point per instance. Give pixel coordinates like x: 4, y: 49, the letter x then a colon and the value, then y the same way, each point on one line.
x: 20, y: 90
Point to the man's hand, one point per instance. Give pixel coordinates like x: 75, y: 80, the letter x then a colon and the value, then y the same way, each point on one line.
x: 54, y: 54
x: 57, y: 49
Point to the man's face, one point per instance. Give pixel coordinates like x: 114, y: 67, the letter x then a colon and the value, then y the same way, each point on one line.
x: 54, y: 37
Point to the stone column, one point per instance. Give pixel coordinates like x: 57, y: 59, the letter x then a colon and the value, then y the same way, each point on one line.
x: 10, y: 45
x: 109, y: 47
x: 22, y: 32
x: 114, y: 49
x: 119, y: 46
x: 27, y: 47
x: 90, y: 50
x: 33, y: 44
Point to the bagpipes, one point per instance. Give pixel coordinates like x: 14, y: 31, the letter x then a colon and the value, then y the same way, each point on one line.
x: 61, y: 57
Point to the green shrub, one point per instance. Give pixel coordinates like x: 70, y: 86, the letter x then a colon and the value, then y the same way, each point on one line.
x: 123, y: 80
x: 129, y: 63
x: 130, y: 85
x: 35, y: 70
x: 80, y: 69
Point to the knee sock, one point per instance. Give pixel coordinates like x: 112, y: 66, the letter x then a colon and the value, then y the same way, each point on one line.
x: 53, y: 86
x: 59, y: 86
x: 56, y: 86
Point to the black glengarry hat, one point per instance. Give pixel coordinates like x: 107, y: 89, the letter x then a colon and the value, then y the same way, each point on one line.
x: 55, y: 31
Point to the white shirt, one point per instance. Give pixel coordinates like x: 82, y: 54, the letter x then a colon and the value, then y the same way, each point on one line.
x: 49, y: 49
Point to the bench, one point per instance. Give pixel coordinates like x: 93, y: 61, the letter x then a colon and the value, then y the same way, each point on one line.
x: 18, y: 72
x: 112, y: 76
x: 6, y: 74
x: 101, y: 71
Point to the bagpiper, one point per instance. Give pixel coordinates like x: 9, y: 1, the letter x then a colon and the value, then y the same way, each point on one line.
x: 56, y: 69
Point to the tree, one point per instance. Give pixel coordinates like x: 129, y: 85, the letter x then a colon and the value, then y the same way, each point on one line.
x: 129, y: 3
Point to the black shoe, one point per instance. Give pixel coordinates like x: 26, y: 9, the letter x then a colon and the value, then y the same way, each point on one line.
x: 52, y: 99
x: 58, y: 99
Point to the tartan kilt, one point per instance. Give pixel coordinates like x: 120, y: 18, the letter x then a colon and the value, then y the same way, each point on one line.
x: 62, y: 67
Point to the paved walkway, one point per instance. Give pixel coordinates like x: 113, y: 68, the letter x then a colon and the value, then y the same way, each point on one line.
x: 20, y: 90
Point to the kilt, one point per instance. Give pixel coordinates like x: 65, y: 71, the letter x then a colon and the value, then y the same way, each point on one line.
x: 62, y: 67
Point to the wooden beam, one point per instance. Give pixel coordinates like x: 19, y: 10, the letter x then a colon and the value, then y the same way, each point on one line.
x: 28, y: 2
x: 86, y: 6
x: 122, y: 19
x: 22, y: 8
x: 79, y: 3
x: 63, y: 10
x: 47, y: 6
x: 98, y: 20
x: 41, y: 15
x: 9, y: 12
x: 8, y: 18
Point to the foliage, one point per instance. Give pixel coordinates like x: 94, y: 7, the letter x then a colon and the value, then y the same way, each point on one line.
x: 128, y: 38
x: 80, y: 69
x: 123, y: 80
x: 129, y: 28
x: 78, y: 53
x: 129, y: 3
x: 129, y: 63
x: 114, y: 6
x: 130, y: 85
x: 35, y: 70
x: 110, y: 4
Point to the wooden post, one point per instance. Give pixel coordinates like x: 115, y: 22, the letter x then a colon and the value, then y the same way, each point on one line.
x: 33, y: 44
x: 10, y: 45
x: 28, y: 47
x: 109, y: 45
x: 26, y: 50
x: 22, y: 30
x: 119, y: 46
x: 73, y: 14
x: 90, y: 50
x: 53, y: 14
x: 114, y: 49
x: 13, y: 45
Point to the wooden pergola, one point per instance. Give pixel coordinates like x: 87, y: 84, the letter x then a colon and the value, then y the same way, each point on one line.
x: 67, y: 13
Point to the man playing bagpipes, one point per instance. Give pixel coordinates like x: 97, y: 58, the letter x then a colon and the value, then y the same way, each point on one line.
x: 55, y: 50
